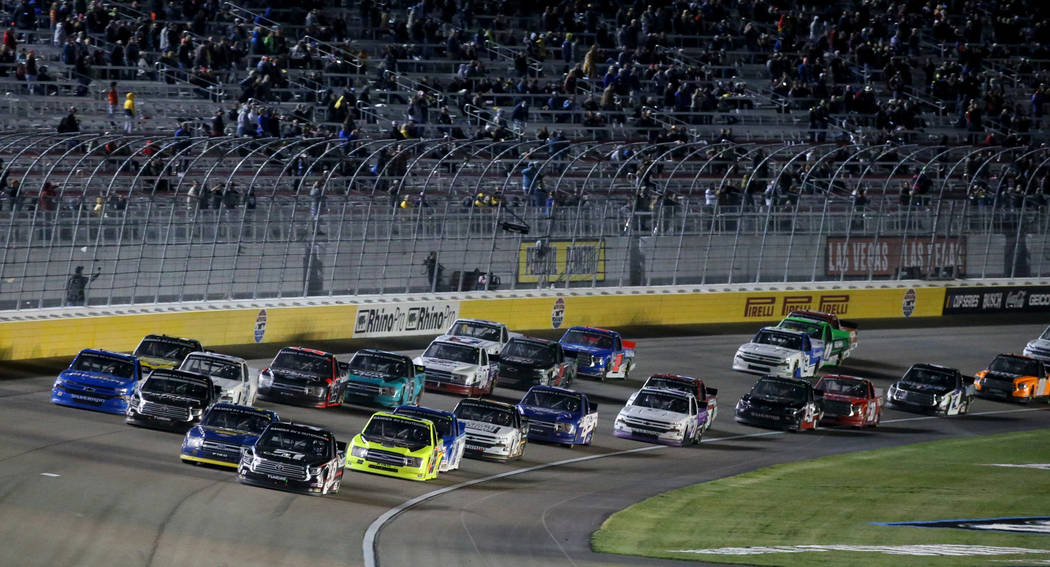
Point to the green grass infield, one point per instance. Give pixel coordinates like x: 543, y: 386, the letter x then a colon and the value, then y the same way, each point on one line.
x: 833, y: 505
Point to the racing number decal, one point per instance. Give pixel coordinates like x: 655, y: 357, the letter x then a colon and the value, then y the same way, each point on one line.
x: 871, y: 411
x: 810, y: 414
x: 617, y: 362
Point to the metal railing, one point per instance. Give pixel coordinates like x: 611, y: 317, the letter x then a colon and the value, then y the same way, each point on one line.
x: 266, y: 218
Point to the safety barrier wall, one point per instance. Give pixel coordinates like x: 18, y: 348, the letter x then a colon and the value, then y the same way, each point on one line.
x: 61, y: 332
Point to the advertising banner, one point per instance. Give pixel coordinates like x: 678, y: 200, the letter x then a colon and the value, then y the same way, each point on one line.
x: 960, y: 300
x: 890, y: 255
x: 558, y: 260
x: 404, y: 318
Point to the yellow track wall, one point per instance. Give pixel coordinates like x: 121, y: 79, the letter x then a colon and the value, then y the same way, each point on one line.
x: 59, y: 337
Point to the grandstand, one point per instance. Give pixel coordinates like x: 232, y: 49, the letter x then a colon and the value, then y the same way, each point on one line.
x: 368, y: 134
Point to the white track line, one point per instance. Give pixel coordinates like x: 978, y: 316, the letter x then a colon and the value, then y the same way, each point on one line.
x: 368, y: 544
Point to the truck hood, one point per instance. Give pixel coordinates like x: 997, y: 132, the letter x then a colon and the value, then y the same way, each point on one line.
x: 595, y: 351
x: 98, y: 379
x: 490, y: 346
x: 547, y: 414
x: 1006, y: 376
x: 370, y: 377
x: 775, y: 404
x: 652, y: 414
x: 485, y: 427
x: 296, y: 376
x: 845, y: 398
x: 288, y: 457
x: 172, y: 400
x: 226, y: 384
x: 448, y: 365
x: 767, y: 350
x: 157, y: 362
x: 229, y: 435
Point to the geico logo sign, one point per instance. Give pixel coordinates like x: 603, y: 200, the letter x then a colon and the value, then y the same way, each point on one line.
x: 1039, y: 299
x: 968, y: 301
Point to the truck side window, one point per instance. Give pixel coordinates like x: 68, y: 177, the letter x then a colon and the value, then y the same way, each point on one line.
x: 484, y: 358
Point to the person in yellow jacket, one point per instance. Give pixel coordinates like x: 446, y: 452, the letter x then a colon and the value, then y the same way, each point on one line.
x: 129, y: 112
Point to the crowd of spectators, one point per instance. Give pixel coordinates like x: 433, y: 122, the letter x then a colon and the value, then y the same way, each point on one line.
x: 863, y: 71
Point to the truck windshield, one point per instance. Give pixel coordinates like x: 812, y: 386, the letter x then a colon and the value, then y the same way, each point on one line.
x: 377, y: 364
x: 236, y: 420
x: 814, y: 331
x: 174, y: 386
x: 485, y: 413
x: 587, y: 338
x: 852, y: 388
x: 476, y: 329
x: 785, y: 340
x: 214, y: 367
x: 671, y: 384
x: 302, y: 361
x: 103, y: 364
x: 442, y: 423
x: 930, y: 377
x: 779, y: 390
x: 662, y: 401
x: 536, y: 352
x: 168, y: 349
x: 391, y: 430
x: 552, y: 400
x: 279, y: 439
x: 454, y: 352
x: 1015, y: 365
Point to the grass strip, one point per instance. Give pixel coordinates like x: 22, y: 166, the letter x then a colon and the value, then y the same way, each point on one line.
x: 835, y: 500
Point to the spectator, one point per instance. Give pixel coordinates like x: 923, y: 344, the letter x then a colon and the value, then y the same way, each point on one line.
x: 77, y: 285
x: 69, y: 123
x: 129, y: 112
x: 111, y: 99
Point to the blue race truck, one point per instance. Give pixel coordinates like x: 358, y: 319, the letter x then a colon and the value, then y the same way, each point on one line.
x: 98, y: 380
x: 599, y: 353
x: 558, y: 415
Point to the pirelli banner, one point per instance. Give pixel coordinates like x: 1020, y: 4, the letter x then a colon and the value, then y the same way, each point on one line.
x: 892, y: 255
x: 560, y: 260
x: 998, y: 299
x: 656, y: 309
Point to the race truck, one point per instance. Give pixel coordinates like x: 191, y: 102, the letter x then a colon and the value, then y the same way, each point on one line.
x: 932, y: 388
x: 1039, y: 347
x: 230, y: 373
x: 171, y: 399
x: 779, y: 352
x: 1013, y: 377
x: 294, y: 456
x: 599, y: 353
x: 660, y: 415
x: 706, y: 398
x: 495, y: 334
x: 458, y: 365
x: 849, y: 401
x: 97, y: 380
x: 304, y: 376
x: 528, y: 361
x: 495, y: 430
x: 162, y: 351
x: 397, y: 445
x: 558, y: 415
x: 451, y: 431
x: 781, y: 403
x: 223, y: 431
x: 843, y: 334
x: 378, y: 377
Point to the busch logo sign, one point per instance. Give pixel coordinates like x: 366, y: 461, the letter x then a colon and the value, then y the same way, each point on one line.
x: 403, y: 319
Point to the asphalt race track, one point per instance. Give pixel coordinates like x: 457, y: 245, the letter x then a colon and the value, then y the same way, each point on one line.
x: 82, y: 488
